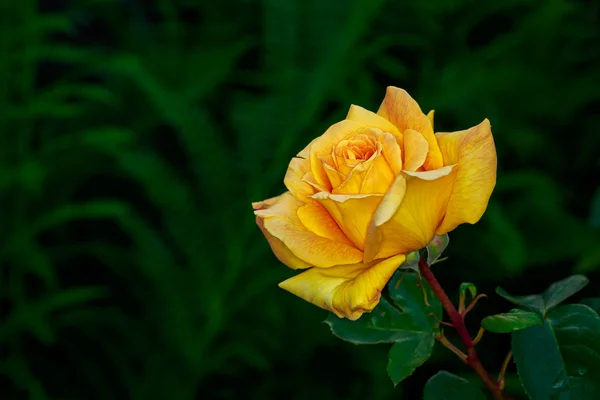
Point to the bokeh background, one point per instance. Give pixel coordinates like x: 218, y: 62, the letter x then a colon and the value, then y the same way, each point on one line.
x: 135, y: 133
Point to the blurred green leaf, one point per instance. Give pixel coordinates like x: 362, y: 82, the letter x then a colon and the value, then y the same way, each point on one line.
x: 562, y: 290
x: 552, y: 296
x: 560, y: 359
x: 447, y: 386
x: 593, y: 303
x: 533, y: 302
x: 513, y: 321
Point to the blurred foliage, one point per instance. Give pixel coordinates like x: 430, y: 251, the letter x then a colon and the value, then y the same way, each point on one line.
x: 136, y: 133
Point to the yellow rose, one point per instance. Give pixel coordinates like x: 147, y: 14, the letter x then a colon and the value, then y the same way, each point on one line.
x: 371, y: 189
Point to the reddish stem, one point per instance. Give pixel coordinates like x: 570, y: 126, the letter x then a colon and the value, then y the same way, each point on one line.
x: 458, y: 323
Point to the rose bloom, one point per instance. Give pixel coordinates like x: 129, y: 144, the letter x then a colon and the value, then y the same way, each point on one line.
x: 371, y: 189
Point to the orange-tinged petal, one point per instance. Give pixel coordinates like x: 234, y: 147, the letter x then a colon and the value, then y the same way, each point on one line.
x: 414, y: 223
x: 280, y: 250
x: 281, y: 220
x: 348, y: 290
x: 297, y: 168
x: 404, y: 112
x: 323, y: 146
x: 369, y: 118
x: 474, y: 153
x: 352, y: 213
x: 416, y: 149
x: 392, y: 152
x: 316, y: 218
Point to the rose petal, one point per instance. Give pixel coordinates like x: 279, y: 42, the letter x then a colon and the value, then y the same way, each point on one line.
x: 430, y: 116
x: 373, y: 176
x: 280, y: 219
x: 404, y: 112
x: 316, y: 218
x: 324, y: 144
x: 392, y: 152
x: 280, y: 250
x: 352, y: 213
x: 294, y: 182
x: 474, y: 152
x: 347, y: 290
x: 384, y: 212
x: 369, y: 118
x: 334, y: 176
x: 416, y: 149
x: 414, y: 223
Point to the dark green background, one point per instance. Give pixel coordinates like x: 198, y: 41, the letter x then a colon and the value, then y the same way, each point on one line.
x: 135, y: 134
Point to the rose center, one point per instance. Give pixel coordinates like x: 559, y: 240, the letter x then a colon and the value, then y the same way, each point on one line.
x: 359, y: 148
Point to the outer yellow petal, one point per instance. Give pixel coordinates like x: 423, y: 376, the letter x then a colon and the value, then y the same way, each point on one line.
x: 280, y: 219
x: 414, y: 223
x: 474, y: 152
x: 416, y: 148
x: 352, y: 213
x: 323, y: 146
x: 293, y: 180
x: 347, y: 290
x: 401, y: 110
x: 369, y: 118
x: 280, y: 250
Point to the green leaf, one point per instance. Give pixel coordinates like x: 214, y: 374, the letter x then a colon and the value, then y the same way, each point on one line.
x: 534, y: 302
x: 561, y: 290
x: 417, y: 301
x: 385, y: 324
x: 561, y: 359
x: 407, y: 354
x: 447, y: 386
x: 515, y: 320
x: 553, y: 296
x: 436, y: 247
